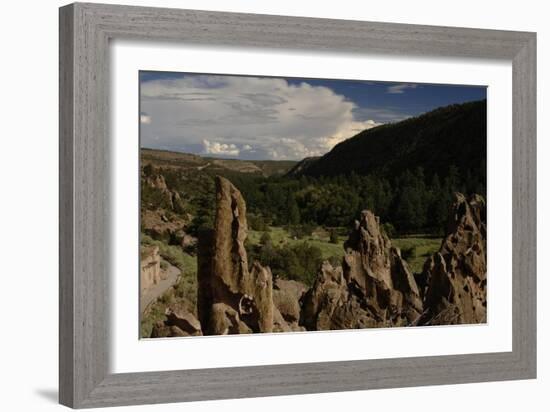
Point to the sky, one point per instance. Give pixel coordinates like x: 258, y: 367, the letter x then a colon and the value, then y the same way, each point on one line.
x: 275, y: 118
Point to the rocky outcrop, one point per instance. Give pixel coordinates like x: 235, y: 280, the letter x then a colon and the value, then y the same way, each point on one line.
x: 373, y: 288
x: 150, y: 270
x: 163, y: 215
x: 158, y: 226
x: 287, y: 296
x: 375, y: 270
x: 456, y: 276
x: 171, y: 198
x: 179, y: 322
x: 232, y: 298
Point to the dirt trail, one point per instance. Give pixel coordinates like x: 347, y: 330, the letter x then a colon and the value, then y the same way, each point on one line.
x: 157, y: 290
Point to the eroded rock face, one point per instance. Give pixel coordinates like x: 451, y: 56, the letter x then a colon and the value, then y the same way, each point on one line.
x: 232, y: 298
x: 373, y: 288
x: 329, y: 292
x: 457, y: 274
x: 374, y: 269
x: 150, y: 271
x: 171, y: 197
x: 286, y: 298
x: 179, y: 322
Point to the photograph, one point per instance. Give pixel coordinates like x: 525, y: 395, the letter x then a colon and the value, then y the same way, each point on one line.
x: 284, y: 204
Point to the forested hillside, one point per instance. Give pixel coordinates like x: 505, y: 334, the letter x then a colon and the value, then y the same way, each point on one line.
x: 448, y: 136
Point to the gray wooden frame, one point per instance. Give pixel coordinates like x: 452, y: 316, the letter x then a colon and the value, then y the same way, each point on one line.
x: 85, y: 31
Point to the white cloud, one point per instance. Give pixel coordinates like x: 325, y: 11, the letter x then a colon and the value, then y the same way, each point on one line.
x: 400, y: 88
x: 350, y: 129
x: 277, y: 119
x: 218, y: 148
x: 144, y: 118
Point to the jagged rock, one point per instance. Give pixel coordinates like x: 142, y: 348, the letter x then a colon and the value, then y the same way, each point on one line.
x: 183, y: 319
x: 177, y: 332
x: 230, y: 295
x: 331, y: 304
x: 157, y: 225
x: 224, y: 320
x: 179, y: 322
x: 160, y: 330
x: 286, y: 298
x: 279, y: 323
x: 150, y: 271
x: 171, y: 197
x: 374, y: 269
x: 373, y: 288
x: 157, y: 182
x: 457, y: 274
x: 329, y: 291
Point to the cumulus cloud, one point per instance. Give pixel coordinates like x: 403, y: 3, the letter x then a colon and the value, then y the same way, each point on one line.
x: 217, y: 148
x: 246, y: 117
x: 400, y: 88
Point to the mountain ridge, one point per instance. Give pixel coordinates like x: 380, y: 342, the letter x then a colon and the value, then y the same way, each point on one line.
x: 450, y: 135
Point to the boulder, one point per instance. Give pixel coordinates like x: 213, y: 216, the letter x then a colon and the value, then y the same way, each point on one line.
x: 456, y: 275
x: 224, y: 320
x: 181, y: 318
x: 179, y: 321
x: 286, y: 298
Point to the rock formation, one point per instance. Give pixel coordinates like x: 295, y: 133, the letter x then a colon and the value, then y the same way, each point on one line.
x: 456, y: 276
x: 179, y: 322
x: 163, y: 216
x: 150, y: 271
x: 287, y: 295
x: 375, y: 268
x: 232, y: 298
x: 171, y: 197
x: 374, y: 287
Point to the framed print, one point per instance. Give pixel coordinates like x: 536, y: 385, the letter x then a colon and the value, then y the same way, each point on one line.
x: 257, y: 205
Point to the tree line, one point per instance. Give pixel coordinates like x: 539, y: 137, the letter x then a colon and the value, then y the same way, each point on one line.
x: 410, y: 203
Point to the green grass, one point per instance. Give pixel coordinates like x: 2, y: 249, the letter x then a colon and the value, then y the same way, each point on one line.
x: 154, y: 313
x: 320, y: 238
x: 173, y: 254
x: 419, y: 248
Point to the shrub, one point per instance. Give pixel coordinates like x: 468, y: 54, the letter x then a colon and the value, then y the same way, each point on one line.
x: 408, y: 253
x: 265, y: 239
x: 148, y: 170
x: 333, y: 236
x: 153, y: 198
x: 258, y: 223
x: 388, y: 229
x: 335, y: 261
x: 301, y: 231
x: 300, y: 261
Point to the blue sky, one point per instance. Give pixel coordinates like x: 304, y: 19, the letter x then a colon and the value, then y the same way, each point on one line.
x: 250, y: 117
